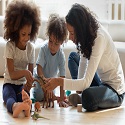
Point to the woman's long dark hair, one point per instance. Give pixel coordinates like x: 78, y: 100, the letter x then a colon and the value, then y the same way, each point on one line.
x: 85, y: 26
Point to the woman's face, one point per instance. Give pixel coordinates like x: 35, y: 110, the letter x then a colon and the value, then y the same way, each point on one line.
x: 71, y: 33
x: 24, y: 36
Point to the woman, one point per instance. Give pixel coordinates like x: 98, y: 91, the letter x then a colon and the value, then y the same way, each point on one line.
x: 100, y: 74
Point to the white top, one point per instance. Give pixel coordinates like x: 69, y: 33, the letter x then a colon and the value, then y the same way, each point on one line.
x: 51, y: 64
x: 21, y: 60
x: 105, y: 60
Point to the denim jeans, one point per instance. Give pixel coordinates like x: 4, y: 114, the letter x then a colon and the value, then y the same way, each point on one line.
x: 11, y: 96
x: 99, y: 95
x: 37, y: 91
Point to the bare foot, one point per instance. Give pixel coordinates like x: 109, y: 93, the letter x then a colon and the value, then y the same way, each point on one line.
x: 19, y: 107
x: 27, y: 112
x: 26, y: 99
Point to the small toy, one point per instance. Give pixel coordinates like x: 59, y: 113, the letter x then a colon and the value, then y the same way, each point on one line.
x: 68, y: 92
x: 36, y: 115
x: 79, y: 107
x: 37, y: 106
x: 46, y: 100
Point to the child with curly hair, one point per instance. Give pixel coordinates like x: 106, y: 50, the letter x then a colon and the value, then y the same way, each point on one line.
x: 51, y: 58
x: 21, y: 24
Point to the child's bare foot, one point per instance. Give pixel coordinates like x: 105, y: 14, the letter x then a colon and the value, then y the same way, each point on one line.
x: 26, y: 99
x: 27, y: 112
x: 19, y: 107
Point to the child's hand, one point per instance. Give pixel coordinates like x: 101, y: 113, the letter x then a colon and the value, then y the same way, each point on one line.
x: 28, y: 76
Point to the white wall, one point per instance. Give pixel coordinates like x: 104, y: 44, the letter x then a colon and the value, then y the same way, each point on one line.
x: 62, y: 6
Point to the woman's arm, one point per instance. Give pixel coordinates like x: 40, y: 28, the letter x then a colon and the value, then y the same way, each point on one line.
x: 53, y: 83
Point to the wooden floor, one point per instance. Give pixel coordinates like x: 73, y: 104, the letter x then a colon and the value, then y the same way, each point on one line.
x: 65, y: 116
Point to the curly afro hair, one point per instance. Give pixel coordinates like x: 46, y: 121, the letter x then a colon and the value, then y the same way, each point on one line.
x: 18, y: 14
x: 57, y: 27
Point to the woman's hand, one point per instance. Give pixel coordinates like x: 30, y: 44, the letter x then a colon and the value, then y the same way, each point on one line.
x: 53, y: 83
x: 50, y: 95
x: 63, y: 104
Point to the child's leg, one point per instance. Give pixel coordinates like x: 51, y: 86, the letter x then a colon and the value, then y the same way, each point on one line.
x: 37, y: 92
x: 9, y: 96
x: 102, y: 97
x: 10, y: 99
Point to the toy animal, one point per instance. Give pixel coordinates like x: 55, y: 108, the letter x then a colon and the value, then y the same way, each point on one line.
x: 35, y: 116
x: 37, y: 106
x: 46, y: 100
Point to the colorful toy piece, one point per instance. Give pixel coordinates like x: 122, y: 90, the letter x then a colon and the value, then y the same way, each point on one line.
x: 36, y: 115
x: 37, y: 106
x: 68, y: 93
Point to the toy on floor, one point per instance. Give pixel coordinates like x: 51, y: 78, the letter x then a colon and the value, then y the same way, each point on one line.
x: 37, y: 106
x: 36, y: 115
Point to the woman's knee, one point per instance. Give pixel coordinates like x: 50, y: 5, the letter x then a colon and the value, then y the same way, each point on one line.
x: 72, y: 55
x: 88, y: 100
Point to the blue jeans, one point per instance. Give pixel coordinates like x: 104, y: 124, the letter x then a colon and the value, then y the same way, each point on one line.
x: 37, y: 91
x: 10, y: 95
x: 99, y: 95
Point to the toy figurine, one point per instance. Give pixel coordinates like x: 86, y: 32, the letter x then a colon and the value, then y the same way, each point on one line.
x: 46, y: 100
x: 37, y: 106
x: 36, y: 115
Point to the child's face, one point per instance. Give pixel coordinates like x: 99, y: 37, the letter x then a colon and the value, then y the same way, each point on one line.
x: 54, y: 45
x: 24, y: 36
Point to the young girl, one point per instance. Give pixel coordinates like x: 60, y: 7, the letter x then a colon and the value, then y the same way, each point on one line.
x: 22, y: 21
x: 100, y: 75
x: 51, y: 57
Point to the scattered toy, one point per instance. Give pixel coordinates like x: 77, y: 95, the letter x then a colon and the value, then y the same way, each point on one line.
x: 37, y: 106
x: 36, y: 115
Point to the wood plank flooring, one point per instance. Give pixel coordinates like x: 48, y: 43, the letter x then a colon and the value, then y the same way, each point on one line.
x: 65, y: 116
